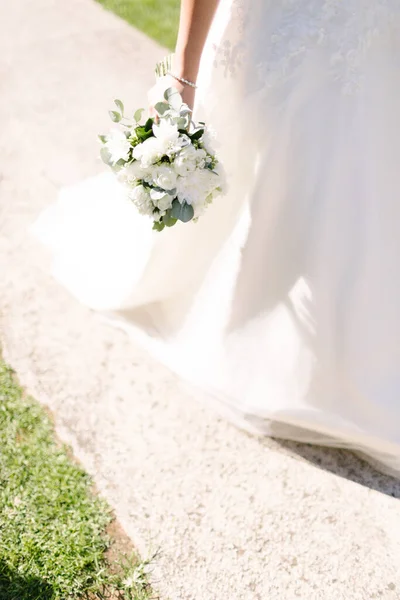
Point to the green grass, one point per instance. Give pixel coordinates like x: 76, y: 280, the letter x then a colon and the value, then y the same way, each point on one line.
x: 157, y: 18
x: 54, y: 540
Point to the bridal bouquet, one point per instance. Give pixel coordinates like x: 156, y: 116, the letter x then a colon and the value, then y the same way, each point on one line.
x: 167, y: 165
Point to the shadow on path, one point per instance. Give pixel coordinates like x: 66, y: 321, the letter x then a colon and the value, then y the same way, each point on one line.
x: 346, y: 464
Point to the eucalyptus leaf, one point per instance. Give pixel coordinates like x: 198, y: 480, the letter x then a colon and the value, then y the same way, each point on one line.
x: 115, y: 116
x: 187, y: 213
x: 148, y: 126
x: 161, y: 107
x: 182, y: 122
x: 119, y: 104
x: 105, y: 156
x: 138, y: 114
x: 173, y: 97
x: 103, y: 138
x: 168, y: 220
x: 183, y: 212
x: 158, y: 225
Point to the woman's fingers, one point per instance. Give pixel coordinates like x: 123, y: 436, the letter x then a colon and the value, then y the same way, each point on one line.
x: 156, y: 94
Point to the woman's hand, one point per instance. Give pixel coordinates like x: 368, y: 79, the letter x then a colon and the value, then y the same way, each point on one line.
x: 156, y: 93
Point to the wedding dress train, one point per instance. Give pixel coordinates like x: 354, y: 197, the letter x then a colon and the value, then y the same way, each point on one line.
x: 283, y: 302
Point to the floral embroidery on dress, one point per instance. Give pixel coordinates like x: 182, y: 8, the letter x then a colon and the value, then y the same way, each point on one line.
x: 345, y: 29
x: 228, y: 54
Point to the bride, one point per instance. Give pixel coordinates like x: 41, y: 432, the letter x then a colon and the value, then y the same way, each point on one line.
x: 282, y: 304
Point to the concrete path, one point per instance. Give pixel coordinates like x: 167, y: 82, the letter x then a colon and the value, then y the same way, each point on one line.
x: 233, y: 517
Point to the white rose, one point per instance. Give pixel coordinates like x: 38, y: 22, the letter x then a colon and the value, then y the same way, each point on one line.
x: 160, y: 199
x: 148, y: 152
x: 141, y: 198
x: 164, y: 203
x: 117, y: 145
x: 131, y: 173
x: 209, y: 140
x: 164, y: 177
x: 185, y: 162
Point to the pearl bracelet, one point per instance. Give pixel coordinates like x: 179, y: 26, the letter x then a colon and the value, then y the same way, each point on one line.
x: 164, y: 68
x: 182, y: 79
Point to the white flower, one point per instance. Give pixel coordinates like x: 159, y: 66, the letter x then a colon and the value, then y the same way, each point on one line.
x: 222, y: 181
x: 148, y: 152
x: 209, y: 140
x: 201, y: 158
x: 165, y: 131
x: 169, y: 138
x: 157, y: 216
x: 164, y: 203
x: 164, y: 177
x: 160, y: 199
x: 131, y: 173
x: 141, y: 198
x: 117, y: 145
x: 196, y: 187
x: 185, y: 162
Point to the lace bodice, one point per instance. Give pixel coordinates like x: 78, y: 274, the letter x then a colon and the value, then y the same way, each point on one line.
x: 275, y: 37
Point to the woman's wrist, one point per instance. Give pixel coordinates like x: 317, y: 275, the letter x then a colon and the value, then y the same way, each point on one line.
x: 185, y: 65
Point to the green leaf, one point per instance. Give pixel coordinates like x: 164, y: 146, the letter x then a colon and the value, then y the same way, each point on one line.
x: 149, y: 124
x: 161, y: 107
x: 138, y: 114
x: 183, y: 212
x: 168, y: 220
x: 106, y: 156
x: 142, y: 134
x: 158, y: 225
x: 197, y: 134
x: 103, y: 138
x: 114, y: 116
x: 119, y: 104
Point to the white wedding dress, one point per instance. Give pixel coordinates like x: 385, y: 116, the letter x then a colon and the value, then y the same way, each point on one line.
x: 282, y: 303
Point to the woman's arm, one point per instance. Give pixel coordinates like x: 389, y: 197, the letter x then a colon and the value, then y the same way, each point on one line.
x: 194, y: 24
